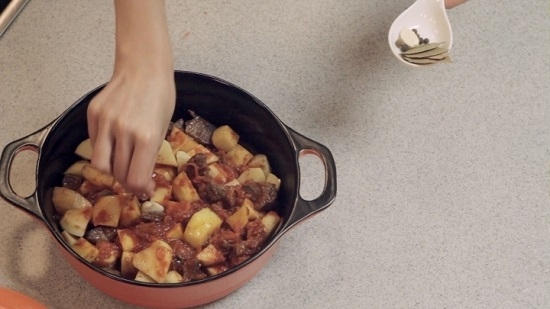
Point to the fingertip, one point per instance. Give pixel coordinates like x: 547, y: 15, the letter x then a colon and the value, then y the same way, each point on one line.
x: 151, y: 187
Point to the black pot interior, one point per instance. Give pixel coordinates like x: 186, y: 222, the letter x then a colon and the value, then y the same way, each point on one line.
x: 215, y: 100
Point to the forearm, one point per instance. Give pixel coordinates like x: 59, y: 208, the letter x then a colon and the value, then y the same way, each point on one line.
x: 452, y: 3
x: 142, y: 37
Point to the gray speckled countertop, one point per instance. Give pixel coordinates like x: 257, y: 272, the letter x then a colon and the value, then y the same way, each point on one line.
x: 443, y: 173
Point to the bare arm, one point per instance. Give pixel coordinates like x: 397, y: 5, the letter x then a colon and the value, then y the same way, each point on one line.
x: 127, y: 120
x: 449, y: 4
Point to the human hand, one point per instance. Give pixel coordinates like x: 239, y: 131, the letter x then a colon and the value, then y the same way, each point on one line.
x: 449, y: 4
x: 128, y: 119
x: 127, y: 122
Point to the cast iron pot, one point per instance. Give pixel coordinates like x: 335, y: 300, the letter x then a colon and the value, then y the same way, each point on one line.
x: 220, y: 103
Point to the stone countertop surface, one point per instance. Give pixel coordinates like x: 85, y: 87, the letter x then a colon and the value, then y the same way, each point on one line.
x: 443, y: 172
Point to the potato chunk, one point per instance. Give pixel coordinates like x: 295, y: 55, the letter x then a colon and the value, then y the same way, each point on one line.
x: 85, y: 249
x: 65, y: 199
x: 97, y: 177
x: 210, y: 156
x: 127, y: 269
x: 252, y: 212
x: 130, y: 211
x: 182, y: 157
x: 254, y: 174
x: 68, y: 238
x: 75, y: 221
x: 183, y: 190
x: 239, y: 155
x: 210, y: 256
x: 261, y: 161
x: 180, y: 141
x: 238, y: 220
x: 166, y: 155
x: 270, y: 221
x: 176, y: 232
x: 85, y: 149
x: 167, y: 173
x: 108, y: 254
x: 161, y: 194
x: 271, y: 178
x: 201, y: 225
x: 173, y: 277
x: 141, y: 277
x: 128, y: 239
x: 76, y: 168
x: 224, y: 138
x: 154, y: 261
x: 107, y: 211
x: 216, y: 269
x: 219, y: 174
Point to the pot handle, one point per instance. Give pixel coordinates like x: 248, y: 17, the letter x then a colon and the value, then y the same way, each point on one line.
x: 305, y: 208
x: 32, y: 142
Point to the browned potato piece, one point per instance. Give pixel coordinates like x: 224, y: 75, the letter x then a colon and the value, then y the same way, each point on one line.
x: 175, y: 232
x: 261, y: 161
x: 180, y: 141
x: 216, y: 269
x: 252, y: 212
x: 166, y: 155
x: 107, y: 211
x: 167, y: 173
x: 97, y: 177
x: 65, y: 199
x: 217, y: 173
x: 210, y: 157
x: 75, y: 221
x: 210, y: 256
x: 141, y: 277
x: 224, y: 138
x: 201, y: 225
x: 127, y: 269
x: 179, y: 211
x: 233, y: 182
x: 274, y: 180
x: 130, y: 211
x: 108, y: 255
x: 182, y: 157
x: 76, y: 168
x: 128, y: 239
x: 238, y: 220
x: 239, y: 155
x: 270, y: 221
x: 183, y: 190
x: 85, y: 249
x: 161, y: 194
x: 85, y: 149
x: 154, y: 261
x: 173, y: 277
x: 254, y: 174
x: 68, y: 238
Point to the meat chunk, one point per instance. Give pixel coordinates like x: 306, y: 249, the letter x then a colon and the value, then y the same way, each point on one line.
x: 200, y: 129
x: 262, y: 194
x: 196, y: 166
x: 100, y: 233
x: 72, y: 182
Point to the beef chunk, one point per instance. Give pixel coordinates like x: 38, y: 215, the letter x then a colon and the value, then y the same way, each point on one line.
x: 100, y: 233
x: 262, y: 194
x: 72, y: 182
x: 200, y: 129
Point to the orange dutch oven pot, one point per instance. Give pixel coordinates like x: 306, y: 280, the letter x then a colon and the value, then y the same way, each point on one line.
x: 220, y: 103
